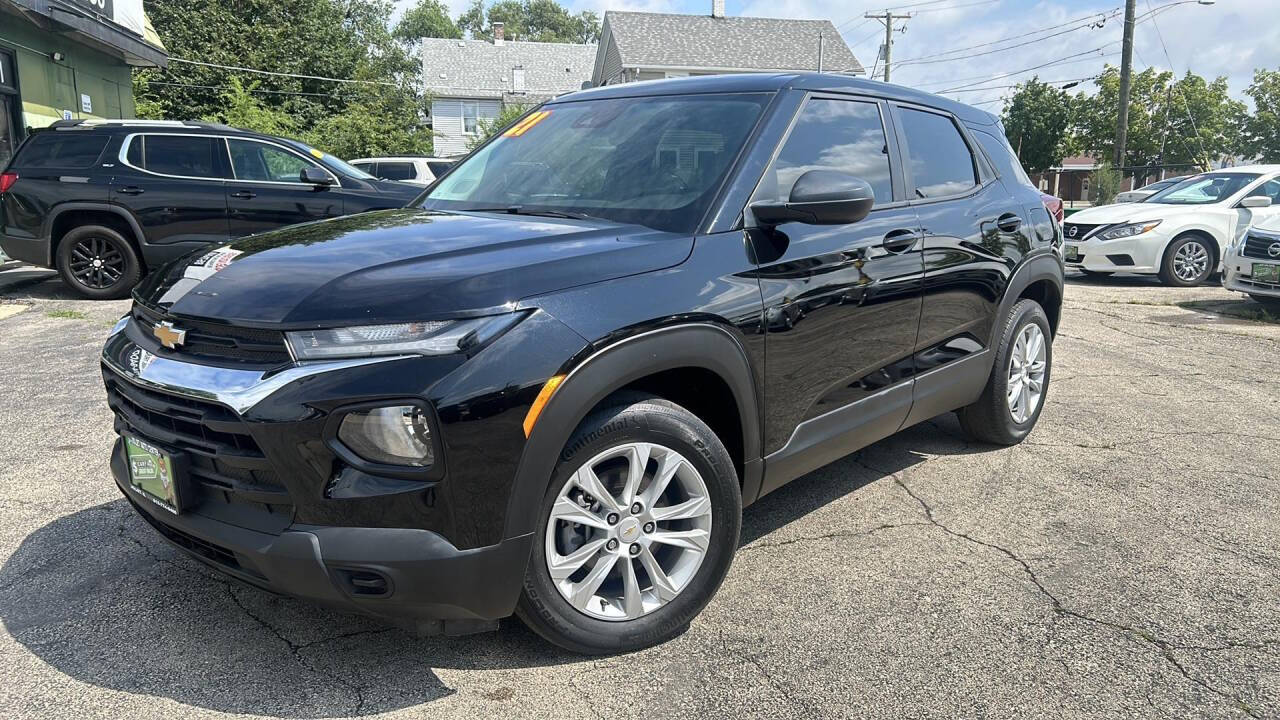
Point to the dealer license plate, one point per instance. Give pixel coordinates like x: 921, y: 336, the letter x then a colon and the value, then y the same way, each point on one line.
x: 1267, y: 273
x: 1071, y: 252
x: 153, y: 472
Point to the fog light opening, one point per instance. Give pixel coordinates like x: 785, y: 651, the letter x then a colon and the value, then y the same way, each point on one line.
x: 393, y: 435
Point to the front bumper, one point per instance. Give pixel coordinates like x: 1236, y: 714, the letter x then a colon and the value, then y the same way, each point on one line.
x: 1140, y: 254
x: 405, y: 576
x: 1237, y: 275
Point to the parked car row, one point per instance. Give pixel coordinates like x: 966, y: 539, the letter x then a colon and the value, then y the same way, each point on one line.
x: 412, y: 169
x: 1187, y: 231
x: 105, y: 201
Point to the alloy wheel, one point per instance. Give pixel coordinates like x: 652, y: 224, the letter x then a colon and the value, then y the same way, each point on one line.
x: 1191, y: 261
x: 96, y: 262
x: 628, y: 531
x: 1027, y: 366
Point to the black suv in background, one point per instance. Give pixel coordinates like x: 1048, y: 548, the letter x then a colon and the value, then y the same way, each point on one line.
x: 103, y: 201
x: 551, y: 386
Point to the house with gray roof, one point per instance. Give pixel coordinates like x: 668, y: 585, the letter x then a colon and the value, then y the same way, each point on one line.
x: 470, y: 80
x: 649, y: 46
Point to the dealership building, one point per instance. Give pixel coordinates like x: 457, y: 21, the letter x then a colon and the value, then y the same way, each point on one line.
x: 69, y: 59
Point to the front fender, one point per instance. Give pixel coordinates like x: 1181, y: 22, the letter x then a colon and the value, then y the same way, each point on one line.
x: 701, y: 345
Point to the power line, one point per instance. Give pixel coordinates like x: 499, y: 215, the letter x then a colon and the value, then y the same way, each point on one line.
x: 254, y: 90
x: 1174, y: 75
x: 281, y: 74
x: 989, y: 78
x: 927, y: 59
x: 955, y: 7
x: 1047, y: 82
x: 1034, y: 67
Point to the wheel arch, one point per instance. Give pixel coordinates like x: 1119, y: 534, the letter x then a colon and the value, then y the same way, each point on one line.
x: 1039, y: 278
x: 650, y: 361
x: 66, y: 217
x: 1215, y: 245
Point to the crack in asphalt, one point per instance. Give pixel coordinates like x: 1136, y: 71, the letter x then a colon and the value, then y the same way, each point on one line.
x: 768, y: 676
x: 296, y: 651
x: 1165, y: 647
x: 1212, y: 329
x: 849, y: 534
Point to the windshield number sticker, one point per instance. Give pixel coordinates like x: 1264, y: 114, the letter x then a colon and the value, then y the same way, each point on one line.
x: 524, y: 125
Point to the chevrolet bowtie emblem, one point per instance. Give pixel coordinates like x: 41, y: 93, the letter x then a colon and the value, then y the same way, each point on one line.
x: 168, y: 335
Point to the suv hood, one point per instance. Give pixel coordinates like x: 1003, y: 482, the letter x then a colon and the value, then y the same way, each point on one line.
x: 402, y: 266
x: 1135, y: 212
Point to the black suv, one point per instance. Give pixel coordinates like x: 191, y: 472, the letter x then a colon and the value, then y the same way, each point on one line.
x: 103, y: 201
x: 551, y: 387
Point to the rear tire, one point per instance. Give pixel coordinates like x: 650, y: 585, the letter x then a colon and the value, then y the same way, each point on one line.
x: 627, y: 608
x: 1188, y: 262
x: 1020, y: 366
x: 98, y: 263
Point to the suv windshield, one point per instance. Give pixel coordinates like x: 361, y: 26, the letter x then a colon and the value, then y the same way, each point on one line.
x: 654, y: 161
x: 341, y: 167
x: 1204, y: 189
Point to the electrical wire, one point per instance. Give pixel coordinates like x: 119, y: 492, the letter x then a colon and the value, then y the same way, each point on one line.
x: 954, y: 7
x: 926, y: 60
x: 1047, y: 82
x: 254, y: 90
x: 1001, y: 76
x: 280, y: 74
x: 1173, y: 72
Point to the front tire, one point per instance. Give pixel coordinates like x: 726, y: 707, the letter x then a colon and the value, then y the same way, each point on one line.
x: 1188, y: 262
x: 636, y: 531
x: 98, y: 263
x: 1019, y: 383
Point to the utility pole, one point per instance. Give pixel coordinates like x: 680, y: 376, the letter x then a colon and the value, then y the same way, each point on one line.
x: 1126, y: 70
x: 887, y: 20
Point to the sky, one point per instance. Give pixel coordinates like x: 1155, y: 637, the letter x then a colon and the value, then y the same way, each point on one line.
x: 1229, y: 38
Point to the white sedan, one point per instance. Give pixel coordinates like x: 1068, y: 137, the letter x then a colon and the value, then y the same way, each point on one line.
x: 1181, y: 233
x: 1252, y: 264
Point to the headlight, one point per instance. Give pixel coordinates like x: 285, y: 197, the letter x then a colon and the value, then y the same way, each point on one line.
x: 1121, y: 232
x: 424, y: 338
x: 394, y: 435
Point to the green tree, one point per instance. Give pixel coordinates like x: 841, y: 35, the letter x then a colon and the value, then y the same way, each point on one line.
x: 1105, y: 184
x: 488, y: 128
x: 533, y: 20
x: 1262, y: 128
x: 348, y: 39
x: 1035, y: 121
x: 427, y: 19
x: 1191, y: 121
x: 242, y: 109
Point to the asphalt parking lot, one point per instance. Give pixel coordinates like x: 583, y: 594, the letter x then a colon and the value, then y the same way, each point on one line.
x: 1123, y: 562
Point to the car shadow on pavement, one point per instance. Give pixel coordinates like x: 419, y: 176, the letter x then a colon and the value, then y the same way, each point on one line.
x: 98, y: 596
x: 939, y: 436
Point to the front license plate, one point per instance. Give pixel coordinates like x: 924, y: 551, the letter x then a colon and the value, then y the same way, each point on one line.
x: 1267, y: 273
x: 154, y: 473
x: 1071, y: 252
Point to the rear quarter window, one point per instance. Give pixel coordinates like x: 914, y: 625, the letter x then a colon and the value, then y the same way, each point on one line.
x: 1002, y: 155
x: 62, y: 149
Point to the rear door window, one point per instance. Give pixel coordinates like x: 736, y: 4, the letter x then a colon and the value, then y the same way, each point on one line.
x: 939, y: 160
x: 183, y: 155
x: 438, y: 168
x: 396, y: 171
x: 63, y: 149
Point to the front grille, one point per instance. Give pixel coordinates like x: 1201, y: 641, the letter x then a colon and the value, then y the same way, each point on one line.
x: 222, y: 455
x: 1256, y: 246
x: 1081, y: 231
x: 215, y: 341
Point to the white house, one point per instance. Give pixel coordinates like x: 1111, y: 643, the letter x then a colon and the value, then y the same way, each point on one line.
x: 650, y: 46
x: 470, y: 80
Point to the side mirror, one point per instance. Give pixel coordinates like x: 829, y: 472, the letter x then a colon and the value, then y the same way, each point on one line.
x: 820, y: 197
x: 315, y: 176
x: 1256, y: 201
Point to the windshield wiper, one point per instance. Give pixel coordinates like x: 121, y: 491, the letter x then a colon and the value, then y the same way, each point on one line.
x: 522, y: 210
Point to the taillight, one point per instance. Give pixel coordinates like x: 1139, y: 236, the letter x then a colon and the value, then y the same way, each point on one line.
x: 7, y: 180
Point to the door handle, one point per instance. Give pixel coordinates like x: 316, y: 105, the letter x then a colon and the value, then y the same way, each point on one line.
x: 1009, y: 222
x: 900, y: 241
x: 245, y: 194
x: 130, y: 190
